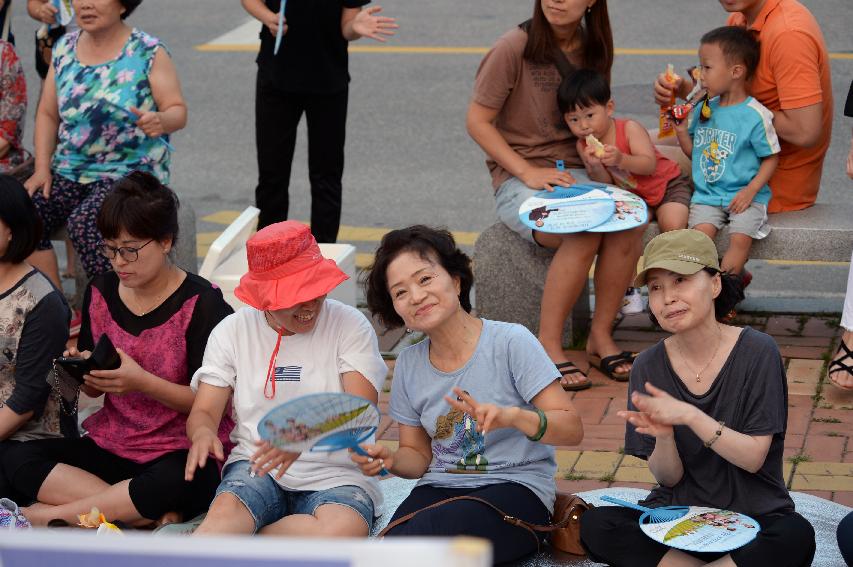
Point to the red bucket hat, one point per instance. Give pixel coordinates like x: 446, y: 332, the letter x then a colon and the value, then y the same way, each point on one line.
x: 286, y: 268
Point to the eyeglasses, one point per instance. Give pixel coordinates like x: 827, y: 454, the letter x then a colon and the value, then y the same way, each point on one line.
x: 127, y: 253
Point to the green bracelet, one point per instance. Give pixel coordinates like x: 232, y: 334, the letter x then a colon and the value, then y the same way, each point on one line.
x: 543, y: 425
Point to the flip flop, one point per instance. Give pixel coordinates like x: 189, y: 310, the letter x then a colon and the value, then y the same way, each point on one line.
x: 838, y: 364
x: 609, y: 364
x: 567, y: 368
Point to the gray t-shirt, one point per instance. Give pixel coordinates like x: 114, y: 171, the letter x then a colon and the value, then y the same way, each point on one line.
x: 750, y: 395
x: 508, y: 368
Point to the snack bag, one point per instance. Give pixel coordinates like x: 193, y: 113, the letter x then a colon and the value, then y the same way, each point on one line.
x: 666, y: 126
x: 598, y: 147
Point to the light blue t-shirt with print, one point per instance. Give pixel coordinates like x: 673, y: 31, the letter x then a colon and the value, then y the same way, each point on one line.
x: 728, y: 149
x: 509, y: 367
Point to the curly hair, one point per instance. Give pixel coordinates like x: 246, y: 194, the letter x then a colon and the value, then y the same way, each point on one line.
x: 429, y: 243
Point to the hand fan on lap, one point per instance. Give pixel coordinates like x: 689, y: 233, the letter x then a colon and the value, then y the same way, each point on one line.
x: 328, y: 421
x: 695, y: 528
x: 566, y: 209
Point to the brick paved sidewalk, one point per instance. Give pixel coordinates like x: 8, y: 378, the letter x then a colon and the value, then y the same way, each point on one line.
x: 818, y: 451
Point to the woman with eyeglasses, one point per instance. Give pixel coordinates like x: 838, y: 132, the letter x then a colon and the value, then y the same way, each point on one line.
x: 130, y: 465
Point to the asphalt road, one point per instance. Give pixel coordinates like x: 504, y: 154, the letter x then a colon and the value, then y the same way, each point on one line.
x: 409, y: 159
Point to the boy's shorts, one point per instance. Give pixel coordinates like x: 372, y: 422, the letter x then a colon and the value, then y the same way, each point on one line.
x: 268, y: 502
x: 513, y: 192
x: 678, y: 190
x: 752, y: 222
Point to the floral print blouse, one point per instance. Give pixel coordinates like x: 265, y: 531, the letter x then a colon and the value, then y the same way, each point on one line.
x: 98, y: 136
x: 13, y: 106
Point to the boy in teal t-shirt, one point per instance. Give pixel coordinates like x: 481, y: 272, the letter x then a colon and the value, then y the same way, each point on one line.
x: 734, y: 147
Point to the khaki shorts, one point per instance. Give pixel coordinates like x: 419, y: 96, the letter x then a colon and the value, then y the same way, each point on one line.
x: 678, y: 190
x: 752, y: 222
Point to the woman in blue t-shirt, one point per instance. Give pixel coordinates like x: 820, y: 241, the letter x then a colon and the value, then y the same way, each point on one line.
x: 478, y: 402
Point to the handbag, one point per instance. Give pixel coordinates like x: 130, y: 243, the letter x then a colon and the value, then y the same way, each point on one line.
x: 25, y: 169
x: 564, y: 530
x: 68, y: 372
x: 46, y: 38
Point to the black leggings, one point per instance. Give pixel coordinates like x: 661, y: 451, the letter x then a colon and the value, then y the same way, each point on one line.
x: 612, y: 535
x: 475, y: 519
x: 156, y: 487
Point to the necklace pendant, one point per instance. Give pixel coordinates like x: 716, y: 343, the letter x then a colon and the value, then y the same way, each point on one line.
x: 698, y: 379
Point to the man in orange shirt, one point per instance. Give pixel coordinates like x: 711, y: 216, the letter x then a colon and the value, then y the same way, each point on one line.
x: 793, y: 81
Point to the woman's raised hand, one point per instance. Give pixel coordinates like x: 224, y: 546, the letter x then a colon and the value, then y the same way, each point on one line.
x: 368, y: 24
x: 149, y: 122
x: 660, y: 408
x: 378, y: 457
x: 204, y: 443
x: 546, y: 178
x: 645, y: 424
x: 129, y: 377
x: 268, y: 457
x: 488, y: 416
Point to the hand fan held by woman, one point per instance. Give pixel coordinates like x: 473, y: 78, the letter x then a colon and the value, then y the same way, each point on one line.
x: 328, y: 421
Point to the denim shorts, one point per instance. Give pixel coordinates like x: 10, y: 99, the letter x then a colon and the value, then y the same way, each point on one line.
x: 268, y: 502
x: 513, y: 192
x: 752, y: 222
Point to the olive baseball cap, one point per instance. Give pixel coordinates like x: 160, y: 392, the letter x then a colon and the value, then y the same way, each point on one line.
x: 681, y: 251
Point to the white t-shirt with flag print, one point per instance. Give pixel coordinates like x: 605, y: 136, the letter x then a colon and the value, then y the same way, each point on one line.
x: 237, y: 357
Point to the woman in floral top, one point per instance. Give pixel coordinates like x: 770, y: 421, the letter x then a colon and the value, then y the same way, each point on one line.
x: 13, y: 107
x: 110, y: 100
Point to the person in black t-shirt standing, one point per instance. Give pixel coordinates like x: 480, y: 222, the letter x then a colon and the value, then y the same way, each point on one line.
x: 309, y: 74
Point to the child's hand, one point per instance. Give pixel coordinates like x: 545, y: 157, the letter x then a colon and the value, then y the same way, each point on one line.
x: 742, y: 200
x: 664, y: 89
x: 612, y: 156
x: 590, y: 158
x: 380, y: 457
x: 680, y: 126
x: 267, y: 458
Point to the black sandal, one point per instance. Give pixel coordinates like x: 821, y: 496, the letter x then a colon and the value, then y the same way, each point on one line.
x: 609, y: 364
x: 837, y: 364
x: 566, y: 368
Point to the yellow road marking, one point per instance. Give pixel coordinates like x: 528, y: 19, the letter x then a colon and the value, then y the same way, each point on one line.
x: 222, y: 217
x: 461, y: 50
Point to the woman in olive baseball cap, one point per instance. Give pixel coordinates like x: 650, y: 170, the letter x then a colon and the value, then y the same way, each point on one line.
x: 707, y: 409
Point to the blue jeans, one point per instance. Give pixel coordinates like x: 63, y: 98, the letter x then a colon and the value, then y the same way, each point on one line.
x: 268, y: 502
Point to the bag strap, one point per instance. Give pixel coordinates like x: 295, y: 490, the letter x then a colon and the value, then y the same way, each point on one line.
x: 506, y: 517
x: 4, y: 34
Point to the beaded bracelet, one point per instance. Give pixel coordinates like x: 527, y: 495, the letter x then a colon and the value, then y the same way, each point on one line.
x: 716, y: 436
x: 543, y: 425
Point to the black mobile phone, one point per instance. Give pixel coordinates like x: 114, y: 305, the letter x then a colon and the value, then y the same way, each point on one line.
x: 104, y: 357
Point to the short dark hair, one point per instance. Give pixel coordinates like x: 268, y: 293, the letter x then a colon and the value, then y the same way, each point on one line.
x: 738, y: 46
x: 582, y: 89
x: 430, y: 244
x: 129, y: 7
x: 142, y: 206
x: 19, y: 214
x: 731, y: 293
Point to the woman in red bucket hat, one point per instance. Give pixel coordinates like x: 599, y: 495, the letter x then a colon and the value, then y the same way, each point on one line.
x: 289, y: 342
